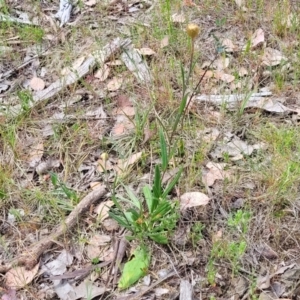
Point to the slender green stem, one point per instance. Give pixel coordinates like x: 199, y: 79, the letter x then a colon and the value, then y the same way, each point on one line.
x: 184, y: 93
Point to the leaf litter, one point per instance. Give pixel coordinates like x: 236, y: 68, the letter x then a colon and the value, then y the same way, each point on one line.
x: 224, y: 75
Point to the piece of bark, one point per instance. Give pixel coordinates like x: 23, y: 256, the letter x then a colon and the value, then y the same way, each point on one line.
x: 261, y: 100
x: 95, y: 57
x: 120, y: 254
x: 136, y: 64
x: 30, y: 257
x: 186, y: 290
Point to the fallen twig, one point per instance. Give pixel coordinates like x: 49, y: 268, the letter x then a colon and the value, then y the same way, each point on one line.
x: 151, y: 287
x: 81, y: 273
x: 30, y: 257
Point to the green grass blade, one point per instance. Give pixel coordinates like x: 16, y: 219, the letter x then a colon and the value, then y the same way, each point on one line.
x: 163, y: 149
x: 135, y: 201
x: 150, y: 200
x: 180, y: 111
x: 157, y: 191
x: 172, y: 184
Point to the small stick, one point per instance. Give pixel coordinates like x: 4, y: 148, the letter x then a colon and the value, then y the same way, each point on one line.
x: 30, y: 257
x: 151, y: 287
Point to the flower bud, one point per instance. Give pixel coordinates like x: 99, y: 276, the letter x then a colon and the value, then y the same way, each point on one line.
x: 192, y: 30
x: 104, y: 156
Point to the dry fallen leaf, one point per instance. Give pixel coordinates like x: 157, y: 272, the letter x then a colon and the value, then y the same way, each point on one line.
x: 116, y: 62
x: 235, y: 148
x: 272, y: 57
x: 189, y: 3
x: 102, y: 209
x: 93, y: 251
x: 178, y: 18
x: 36, y: 154
x: 103, y: 73
x: 228, y: 45
x: 221, y: 63
x: 110, y: 225
x: 114, y: 84
x: 263, y: 281
x: 215, y: 172
x: 37, y: 84
x: 95, y: 185
x: 123, y: 164
x: 104, y: 165
x: 126, y: 110
x: 257, y: 38
x: 240, y: 3
x: 217, y: 236
x: 76, y: 64
x: 193, y: 199
x: 99, y: 239
x: 146, y: 51
x: 224, y: 77
x: 19, y: 277
x: 243, y: 72
x: 90, y: 2
x: 209, y: 134
x: 164, y: 42
x: 122, y: 126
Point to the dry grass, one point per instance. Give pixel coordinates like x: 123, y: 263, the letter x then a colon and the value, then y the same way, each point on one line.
x: 257, y: 207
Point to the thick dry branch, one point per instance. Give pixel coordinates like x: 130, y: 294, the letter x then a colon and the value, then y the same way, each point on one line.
x: 30, y: 257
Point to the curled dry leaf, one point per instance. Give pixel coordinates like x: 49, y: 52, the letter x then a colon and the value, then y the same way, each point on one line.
x: 102, y: 74
x: 273, y: 57
x: 215, y: 172
x: 193, y: 199
x: 37, y: 84
x: 19, y: 277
